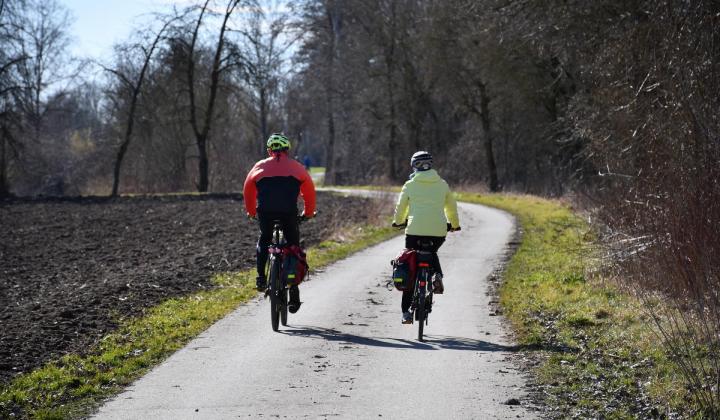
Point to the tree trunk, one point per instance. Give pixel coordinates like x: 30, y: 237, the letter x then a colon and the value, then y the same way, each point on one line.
x: 203, y: 164
x: 3, y: 166
x: 494, y: 185
x: 263, y: 120
x: 202, y: 134
x: 118, y: 164
x: 392, y: 144
x: 330, y: 147
x: 136, y: 87
x: 128, y: 134
x: 334, y: 26
x: 390, y: 63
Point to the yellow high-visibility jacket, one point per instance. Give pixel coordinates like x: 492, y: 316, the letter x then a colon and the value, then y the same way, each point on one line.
x: 427, y: 204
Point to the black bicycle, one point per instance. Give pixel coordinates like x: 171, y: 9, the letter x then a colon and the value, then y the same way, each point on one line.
x: 422, y: 302
x: 277, y: 289
x: 423, y: 296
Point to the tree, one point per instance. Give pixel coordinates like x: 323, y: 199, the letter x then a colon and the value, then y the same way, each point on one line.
x: 201, y: 118
x: 34, y: 66
x: 133, y: 84
x: 262, y: 57
x: 10, y: 57
x: 44, y: 41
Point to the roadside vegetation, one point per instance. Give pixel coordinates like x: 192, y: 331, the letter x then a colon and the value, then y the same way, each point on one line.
x: 598, y: 352
x: 72, y: 386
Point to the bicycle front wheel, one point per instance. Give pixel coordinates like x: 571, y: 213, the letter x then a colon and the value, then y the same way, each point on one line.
x: 284, y: 306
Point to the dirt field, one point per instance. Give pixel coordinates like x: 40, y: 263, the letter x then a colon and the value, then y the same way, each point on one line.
x: 70, y: 269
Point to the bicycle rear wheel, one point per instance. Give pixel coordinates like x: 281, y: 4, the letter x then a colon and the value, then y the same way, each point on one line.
x: 275, y: 304
x: 420, y: 310
x: 421, y: 318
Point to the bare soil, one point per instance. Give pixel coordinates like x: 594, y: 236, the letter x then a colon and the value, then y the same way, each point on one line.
x: 71, y: 269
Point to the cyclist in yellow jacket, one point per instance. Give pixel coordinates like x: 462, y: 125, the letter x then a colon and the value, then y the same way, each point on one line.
x: 429, y: 208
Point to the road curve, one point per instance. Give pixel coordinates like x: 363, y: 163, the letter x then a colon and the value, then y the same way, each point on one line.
x: 345, y: 354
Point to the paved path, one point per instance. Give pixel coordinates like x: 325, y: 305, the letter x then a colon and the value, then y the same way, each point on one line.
x: 346, y: 354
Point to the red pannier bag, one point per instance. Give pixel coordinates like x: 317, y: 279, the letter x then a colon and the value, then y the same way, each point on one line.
x: 404, y: 266
x: 295, y: 266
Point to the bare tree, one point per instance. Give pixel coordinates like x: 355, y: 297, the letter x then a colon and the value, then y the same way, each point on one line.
x: 8, y: 59
x: 334, y: 25
x: 33, y: 58
x: 263, y: 51
x: 44, y: 40
x: 201, y: 118
x: 133, y: 84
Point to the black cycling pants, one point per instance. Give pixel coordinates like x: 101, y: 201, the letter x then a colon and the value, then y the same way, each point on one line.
x: 290, y: 229
x: 413, y: 242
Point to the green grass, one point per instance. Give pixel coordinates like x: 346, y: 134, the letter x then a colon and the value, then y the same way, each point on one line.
x: 73, y: 385
x: 599, y: 356
x: 317, y: 170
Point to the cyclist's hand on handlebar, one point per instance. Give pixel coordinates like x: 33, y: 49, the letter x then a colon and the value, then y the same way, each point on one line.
x: 303, y: 217
x: 452, y: 229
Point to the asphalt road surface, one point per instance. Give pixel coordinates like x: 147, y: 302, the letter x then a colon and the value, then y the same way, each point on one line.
x: 345, y: 354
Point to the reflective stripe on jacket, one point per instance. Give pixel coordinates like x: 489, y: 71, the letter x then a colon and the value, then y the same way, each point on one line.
x: 427, y: 204
x: 274, y: 184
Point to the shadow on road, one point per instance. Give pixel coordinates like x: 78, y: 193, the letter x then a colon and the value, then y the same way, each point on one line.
x: 463, y: 343
x: 432, y: 342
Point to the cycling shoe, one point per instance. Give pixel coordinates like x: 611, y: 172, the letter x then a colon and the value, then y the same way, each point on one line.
x: 294, y: 301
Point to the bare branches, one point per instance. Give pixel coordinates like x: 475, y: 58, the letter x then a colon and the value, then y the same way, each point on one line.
x: 134, y: 87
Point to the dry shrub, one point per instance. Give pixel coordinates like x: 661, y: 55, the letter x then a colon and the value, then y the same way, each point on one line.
x: 672, y: 252
x: 657, y: 142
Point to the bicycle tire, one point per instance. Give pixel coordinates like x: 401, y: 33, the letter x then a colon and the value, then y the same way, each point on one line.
x: 274, y: 296
x: 284, y: 306
x: 421, y: 315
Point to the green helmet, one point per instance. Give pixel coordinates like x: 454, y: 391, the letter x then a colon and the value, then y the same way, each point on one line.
x: 277, y: 142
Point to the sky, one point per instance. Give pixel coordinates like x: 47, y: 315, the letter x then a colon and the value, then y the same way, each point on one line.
x: 99, y: 24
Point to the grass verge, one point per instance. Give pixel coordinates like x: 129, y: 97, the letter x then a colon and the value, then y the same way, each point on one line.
x: 598, y: 355
x: 73, y: 385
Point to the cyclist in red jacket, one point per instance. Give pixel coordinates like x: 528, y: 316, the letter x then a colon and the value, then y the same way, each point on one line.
x: 271, y: 192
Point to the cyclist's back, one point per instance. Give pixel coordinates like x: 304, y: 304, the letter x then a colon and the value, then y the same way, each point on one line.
x: 270, y: 193
x: 428, y: 206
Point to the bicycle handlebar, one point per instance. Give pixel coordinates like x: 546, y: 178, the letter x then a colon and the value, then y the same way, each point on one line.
x: 449, y: 227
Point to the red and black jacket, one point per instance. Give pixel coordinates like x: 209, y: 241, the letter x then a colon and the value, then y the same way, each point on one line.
x: 273, y: 185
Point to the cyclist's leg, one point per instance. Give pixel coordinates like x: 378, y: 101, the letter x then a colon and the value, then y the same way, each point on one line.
x: 266, y: 230
x: 411, y: 242
x: 406, y: 300
x: 437, y: 241
x: 291, y: 229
